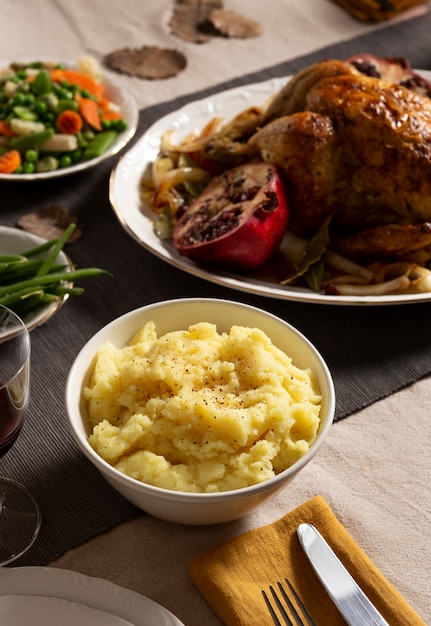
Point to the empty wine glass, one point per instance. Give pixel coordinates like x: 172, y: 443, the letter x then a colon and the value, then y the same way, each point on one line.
x: 19, y: 512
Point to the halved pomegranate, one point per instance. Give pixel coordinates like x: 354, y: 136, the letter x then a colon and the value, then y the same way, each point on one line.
x: 238, y: 221
x: 395, y: 70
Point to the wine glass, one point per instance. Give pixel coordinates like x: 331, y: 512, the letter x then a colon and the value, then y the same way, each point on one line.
x: 19, y: 513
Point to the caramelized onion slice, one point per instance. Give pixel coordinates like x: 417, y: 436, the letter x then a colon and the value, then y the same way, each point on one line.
x: 178, y: 176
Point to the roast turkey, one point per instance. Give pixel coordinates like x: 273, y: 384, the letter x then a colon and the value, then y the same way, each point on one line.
x: 352, y: 147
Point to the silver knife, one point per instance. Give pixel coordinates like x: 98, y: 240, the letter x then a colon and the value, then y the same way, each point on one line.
x: 346, y: 594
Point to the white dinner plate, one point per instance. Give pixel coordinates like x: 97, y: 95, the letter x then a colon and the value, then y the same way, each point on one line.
x: 122, y: 606
x: 15, y: 241
x: 129, y: 110
x: 19, y: 610
x: 137, y: 219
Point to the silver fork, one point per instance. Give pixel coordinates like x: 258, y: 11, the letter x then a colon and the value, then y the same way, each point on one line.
x: 299, y: 621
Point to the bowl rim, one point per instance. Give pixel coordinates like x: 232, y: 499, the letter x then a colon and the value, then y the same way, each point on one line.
x: 110, y: 472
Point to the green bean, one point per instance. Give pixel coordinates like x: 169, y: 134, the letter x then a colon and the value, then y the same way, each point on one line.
x: 24, y: 113
x: 52, y: 279
x: 70, y: 291
x: 46, y: 265
x: 42, y: 83
x: 26, y: 270
x: 16, y: 296
x: 39, y: 249
x: 8, y: 260
x: 33, y: 140
x: 99, y: 144
x: 28, y: 281
x: 26, y: 305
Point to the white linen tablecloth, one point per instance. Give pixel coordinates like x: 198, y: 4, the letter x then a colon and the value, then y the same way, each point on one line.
x: 66, y: 30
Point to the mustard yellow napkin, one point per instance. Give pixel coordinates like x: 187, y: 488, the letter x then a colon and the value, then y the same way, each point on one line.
x: 230, y: 575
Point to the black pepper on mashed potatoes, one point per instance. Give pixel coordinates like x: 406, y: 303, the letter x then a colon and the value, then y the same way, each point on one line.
x: 201, y: 411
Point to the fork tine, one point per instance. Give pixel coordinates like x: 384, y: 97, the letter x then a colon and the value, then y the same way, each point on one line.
x: 301, y: 604
x: 290, y: 605
x: 281, y: 608
x: 270, y: 609
x: 288, y: 601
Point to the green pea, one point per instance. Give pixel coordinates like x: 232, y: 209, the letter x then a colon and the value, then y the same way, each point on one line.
x: 63, y: 94
x: 120, y: 125
x: 29, y: 99
x: 28, y: 167
x: 65, y: 161
x: 31, y: 155
x: 18, y: 99
x: 48, y: 118
x: 40, y: 107
x: 76, y: 155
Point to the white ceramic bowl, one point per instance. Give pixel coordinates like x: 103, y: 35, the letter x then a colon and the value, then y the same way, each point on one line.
x: 16, y: 241
x: 196, y: 508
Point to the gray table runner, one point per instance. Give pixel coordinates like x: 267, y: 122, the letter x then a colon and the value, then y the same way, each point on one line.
x: 371, y: 351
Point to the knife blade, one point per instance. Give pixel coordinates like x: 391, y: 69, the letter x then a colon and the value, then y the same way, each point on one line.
x: 344, y: 591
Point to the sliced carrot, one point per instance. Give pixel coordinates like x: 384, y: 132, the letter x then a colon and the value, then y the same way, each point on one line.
x: 89, y: 110
x: 69, y: 122
x: 9, y: 161
x: 5, y: 129
x: 57, y: 75
x: 80, y: 80
x: 106, y: 112
x: 110, y: 116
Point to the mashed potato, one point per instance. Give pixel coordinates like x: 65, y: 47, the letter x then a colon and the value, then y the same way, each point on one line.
x: 201, y: 411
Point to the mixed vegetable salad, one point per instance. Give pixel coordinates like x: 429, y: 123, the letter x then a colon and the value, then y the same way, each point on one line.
x: 54, y: 117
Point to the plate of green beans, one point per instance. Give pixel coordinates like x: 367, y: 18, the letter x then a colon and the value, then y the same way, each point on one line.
x: 59, y: 117
x: 36, y: 275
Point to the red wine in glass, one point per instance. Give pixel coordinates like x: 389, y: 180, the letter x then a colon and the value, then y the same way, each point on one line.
x: 19, y: 513
x: 12, y: 416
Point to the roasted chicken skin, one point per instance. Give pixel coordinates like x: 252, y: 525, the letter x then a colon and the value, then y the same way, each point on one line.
x: 375, y: 151
x: 353, y: 148
x: 394, y: 240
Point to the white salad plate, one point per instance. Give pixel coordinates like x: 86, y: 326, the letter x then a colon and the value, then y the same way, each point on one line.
x: 16, y: 241
x: 116, y: 95
x: 45, y: 596
x: 137, y: 218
